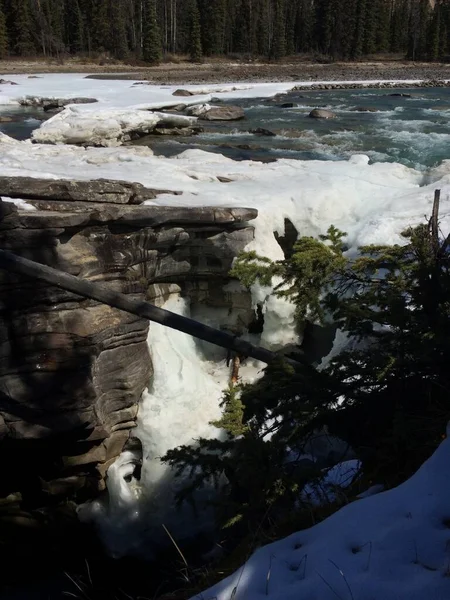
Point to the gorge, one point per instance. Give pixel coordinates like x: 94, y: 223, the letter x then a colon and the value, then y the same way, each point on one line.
x: 166, y: 228
x: 72, y: 370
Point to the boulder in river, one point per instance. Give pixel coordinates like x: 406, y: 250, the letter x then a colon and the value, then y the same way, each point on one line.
x: 321, y: 113
x: 184, y: 131
x: 197, y: 110
x: 261, y: 131
x: 288, y: 105
x: 182, y: 93
x: 224, y: 113
x: 399, y: 95
x: 49, y: 104
x: 7, y: 81
x: 365, y: 109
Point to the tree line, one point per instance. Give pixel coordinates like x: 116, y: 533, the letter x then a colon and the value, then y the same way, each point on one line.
x: 149, y: 29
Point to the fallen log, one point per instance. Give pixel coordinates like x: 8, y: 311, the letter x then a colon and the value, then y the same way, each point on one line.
x: 95, y: 291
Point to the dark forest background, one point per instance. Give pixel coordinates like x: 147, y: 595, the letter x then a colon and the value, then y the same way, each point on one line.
x: 148, y: 30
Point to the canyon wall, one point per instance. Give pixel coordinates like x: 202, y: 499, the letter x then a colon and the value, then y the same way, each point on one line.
x: 72, y: 370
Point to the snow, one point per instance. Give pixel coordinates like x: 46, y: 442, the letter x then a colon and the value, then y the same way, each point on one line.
x: 373, y: 203
x: 122, y: 93
x: 21, y: 204
x: 390, y: 546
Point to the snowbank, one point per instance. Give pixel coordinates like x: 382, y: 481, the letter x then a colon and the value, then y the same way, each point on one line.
x: 107, y: 127
x: 373, y: 203
x: 391, y: 546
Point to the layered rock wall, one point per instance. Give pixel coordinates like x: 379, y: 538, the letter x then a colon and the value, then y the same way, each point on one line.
x: 72, y: 371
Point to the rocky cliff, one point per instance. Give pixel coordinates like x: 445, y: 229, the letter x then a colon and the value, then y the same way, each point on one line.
x: 72, y: 371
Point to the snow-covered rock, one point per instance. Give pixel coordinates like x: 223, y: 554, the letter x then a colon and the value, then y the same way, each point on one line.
x: 198, y: 109
x: 103, y: 128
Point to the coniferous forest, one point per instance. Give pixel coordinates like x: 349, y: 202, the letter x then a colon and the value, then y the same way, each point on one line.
x: 147, y: 30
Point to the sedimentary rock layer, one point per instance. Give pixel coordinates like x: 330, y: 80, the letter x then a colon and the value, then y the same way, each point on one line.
x: 72, y: 371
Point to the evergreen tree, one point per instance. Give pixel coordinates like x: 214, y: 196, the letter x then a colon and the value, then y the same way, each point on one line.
x: 213, y: 18
x: 344, y: 29
x: 119, y: 29
x: 418, y: 26
x: 279, y: 31
x: 21, y: 28
x: 387, y: 397
x: 371, y: 27
x: 304, y: 27
x: 324, y: 19
x: 100, y: 30
x: 442, y: 9
x: 291, y: 20
x: 433, y: 37
x: 358, y: 41
x: 136, y: 18
x: 399, y: 26
x: 263, y: 30
x: 151, y: 38
x: 233, y: 413
x: 3, y: 34
x: 195, y: 34
x: 74, y: 27
x: 382, y: 37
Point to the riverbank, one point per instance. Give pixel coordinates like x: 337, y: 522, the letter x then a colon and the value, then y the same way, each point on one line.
x: 219, y: 71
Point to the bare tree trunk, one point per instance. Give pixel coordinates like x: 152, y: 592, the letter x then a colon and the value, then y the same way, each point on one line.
x: 434, y: 221
x: 235, y: 370
x: 101, y: 293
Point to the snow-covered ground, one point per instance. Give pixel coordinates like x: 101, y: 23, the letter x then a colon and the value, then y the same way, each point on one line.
x: 391, y: 546
x: 119, y: 94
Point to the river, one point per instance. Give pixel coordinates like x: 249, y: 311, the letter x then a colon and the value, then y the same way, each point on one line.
x: 411, y: 127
